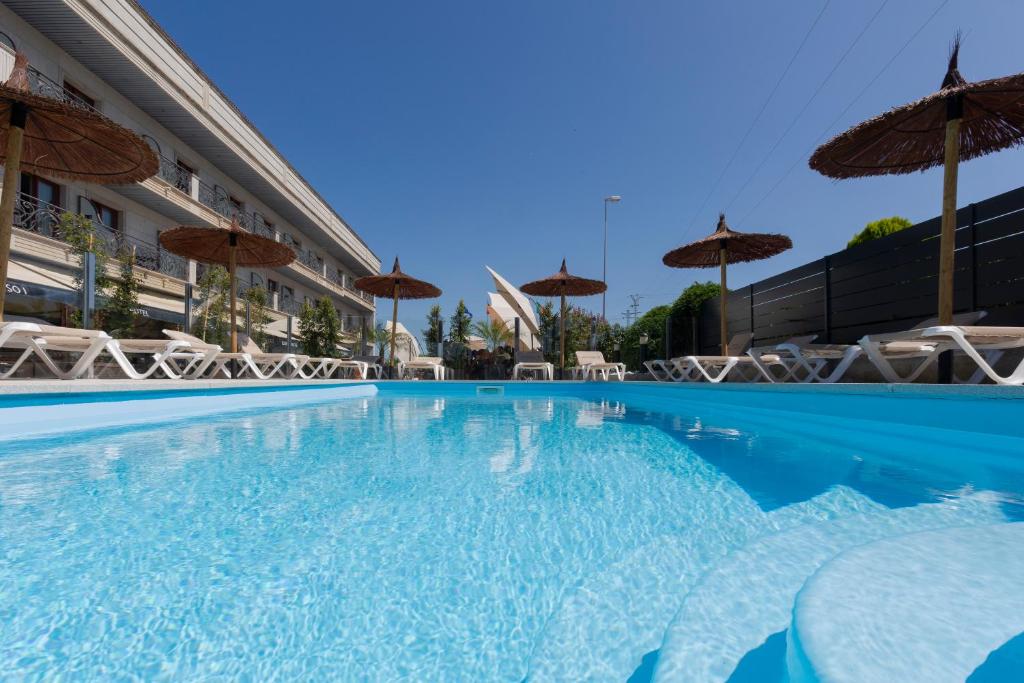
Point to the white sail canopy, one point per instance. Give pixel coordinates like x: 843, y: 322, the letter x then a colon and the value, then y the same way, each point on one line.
x: 500, y: 311
x: 520, y: 304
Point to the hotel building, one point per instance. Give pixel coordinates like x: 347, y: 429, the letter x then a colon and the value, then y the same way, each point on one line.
x: 111, y: 56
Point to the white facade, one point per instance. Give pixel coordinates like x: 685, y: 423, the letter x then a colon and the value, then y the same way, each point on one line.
x: 214, y: 164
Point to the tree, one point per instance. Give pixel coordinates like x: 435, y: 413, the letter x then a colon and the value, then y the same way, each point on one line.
x: 80, y: 233
x: 652, y: 324
x: 579, y: 324
x: 258, y: 300
x: 460, y: 323
x: 319, y: 328
x: 685, y: 311
x: 879, y: 228
x: 214, y: 301
x: 120, y: 311
x: 432, y: 335
x: 495, y: 334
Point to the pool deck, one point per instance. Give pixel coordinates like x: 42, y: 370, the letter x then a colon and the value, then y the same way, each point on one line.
x: 19, y: 387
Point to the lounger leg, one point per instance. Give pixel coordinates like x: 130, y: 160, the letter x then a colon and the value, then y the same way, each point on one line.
x: 1016, y: 377
x: 17, y: 364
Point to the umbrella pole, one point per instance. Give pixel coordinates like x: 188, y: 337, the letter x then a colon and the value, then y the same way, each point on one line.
x: 723, y: 322
x: 12, y: 175
x: 947, y: 241
x: 232, y: 246
x: 561, y: 339
x: 394, y: 329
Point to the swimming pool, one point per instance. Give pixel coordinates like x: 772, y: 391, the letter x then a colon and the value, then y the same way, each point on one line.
x: 427, y: 531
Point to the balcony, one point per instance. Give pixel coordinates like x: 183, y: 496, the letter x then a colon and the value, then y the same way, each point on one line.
x: 39, y: 84
x: 41, y: 218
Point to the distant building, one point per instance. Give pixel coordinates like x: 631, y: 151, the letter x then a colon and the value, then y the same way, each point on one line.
x: 214, y: 165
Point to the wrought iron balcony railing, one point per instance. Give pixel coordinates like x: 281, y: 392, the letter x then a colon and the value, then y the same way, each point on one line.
x: 34, y: 215
x: 47, y: 87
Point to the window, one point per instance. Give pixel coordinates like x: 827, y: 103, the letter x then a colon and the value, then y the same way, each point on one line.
x: 39, y: 208
x: 271, y: 285
x: 292, y: 242
x: 40, y: 189
x: 287, y: 294
x: 183, y: 179
x: 99, y: 213
x: 236, y: 206
x: 78, y: 95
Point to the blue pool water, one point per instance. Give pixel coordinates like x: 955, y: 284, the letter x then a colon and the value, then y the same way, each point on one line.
x: 427, y: 533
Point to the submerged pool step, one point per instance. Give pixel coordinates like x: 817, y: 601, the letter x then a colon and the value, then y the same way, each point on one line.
x: 928, y: 606
x: 631, y: 602
x: 749, y: 597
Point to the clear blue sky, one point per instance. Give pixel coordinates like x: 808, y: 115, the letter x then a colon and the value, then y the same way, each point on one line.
x: 459, y: 134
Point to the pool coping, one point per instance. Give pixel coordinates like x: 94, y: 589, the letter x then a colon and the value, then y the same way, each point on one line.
x: 52, y: 387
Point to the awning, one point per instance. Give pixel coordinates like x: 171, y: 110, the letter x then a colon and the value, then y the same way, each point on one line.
x: 37, y: 281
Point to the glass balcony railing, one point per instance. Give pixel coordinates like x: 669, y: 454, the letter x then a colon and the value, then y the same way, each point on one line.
x: 41, y: 218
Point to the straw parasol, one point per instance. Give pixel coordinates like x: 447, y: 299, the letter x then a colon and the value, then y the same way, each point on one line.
x: 722, y: 247
x: 44, y: 136
x: 230, y: 247
x: 562, y: 284
x: 396, y: 285
x: 959, y: 122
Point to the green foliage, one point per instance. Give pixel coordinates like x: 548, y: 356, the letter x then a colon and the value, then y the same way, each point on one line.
x: 380, y: 336
x: 259, y: 302
x: 651, y: 323
x: 320, y: 328
x: 80, y: 233
x: 579, y: 324
x: 119, y: 313
x: 432, y: 335
x: 495, y: 334
x: 214, y: 301
x: 879, y: 228
x: 693, y: 297
x: 459, y: 324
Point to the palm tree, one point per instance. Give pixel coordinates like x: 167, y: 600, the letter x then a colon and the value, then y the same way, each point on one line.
x: 493, y: 333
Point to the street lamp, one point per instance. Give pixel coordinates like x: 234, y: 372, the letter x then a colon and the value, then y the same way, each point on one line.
x: 615, y: 199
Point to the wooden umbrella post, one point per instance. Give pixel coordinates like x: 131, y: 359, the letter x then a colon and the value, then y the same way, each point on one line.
x: 12, y: 176
x: 232, y: 246
x: 947, y: 241
x: 723, y: 322
x: 394, y: 328
x: 561, y: 338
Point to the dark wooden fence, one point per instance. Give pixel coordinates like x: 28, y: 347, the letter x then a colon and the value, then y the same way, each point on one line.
x: 887, y: 284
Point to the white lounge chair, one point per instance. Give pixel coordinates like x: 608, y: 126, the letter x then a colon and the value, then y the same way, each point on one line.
x: 246, y: 364
x: 344, y: 365
x: 591, y: 364
x: 807, y: 363
x: 983, y: 345
x: 30, y: 338
x: 714, y: 369
x: 660, y: 370
x: 372, y: 364
x: 432, y: 364
x: 532, y: 361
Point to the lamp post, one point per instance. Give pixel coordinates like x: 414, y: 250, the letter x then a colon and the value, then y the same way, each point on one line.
x: 614, y: 199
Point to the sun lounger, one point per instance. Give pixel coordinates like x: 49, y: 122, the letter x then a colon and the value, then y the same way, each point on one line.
x: 344, y: 365
x: 372, y: 364
x: 31, y: 338
x: 532, y: 361
x: 591, y: 364
x: 432, y: 364
x: 714, y: 369
x: 244, y: 362
x: 92, y: 345
x: 807, y: 363
x: 983, y: 345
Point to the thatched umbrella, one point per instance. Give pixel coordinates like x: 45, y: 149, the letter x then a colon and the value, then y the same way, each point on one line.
x: 959, y: 122
x: 396, y: 285
x: 232, y: 247
x: 44, y: 136
x: 722, y: 247
x: 562, y: 284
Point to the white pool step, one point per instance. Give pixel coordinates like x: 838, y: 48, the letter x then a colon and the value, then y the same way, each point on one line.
x: 749, y: 595
x: 928, y: 606
x: 630, y: 602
